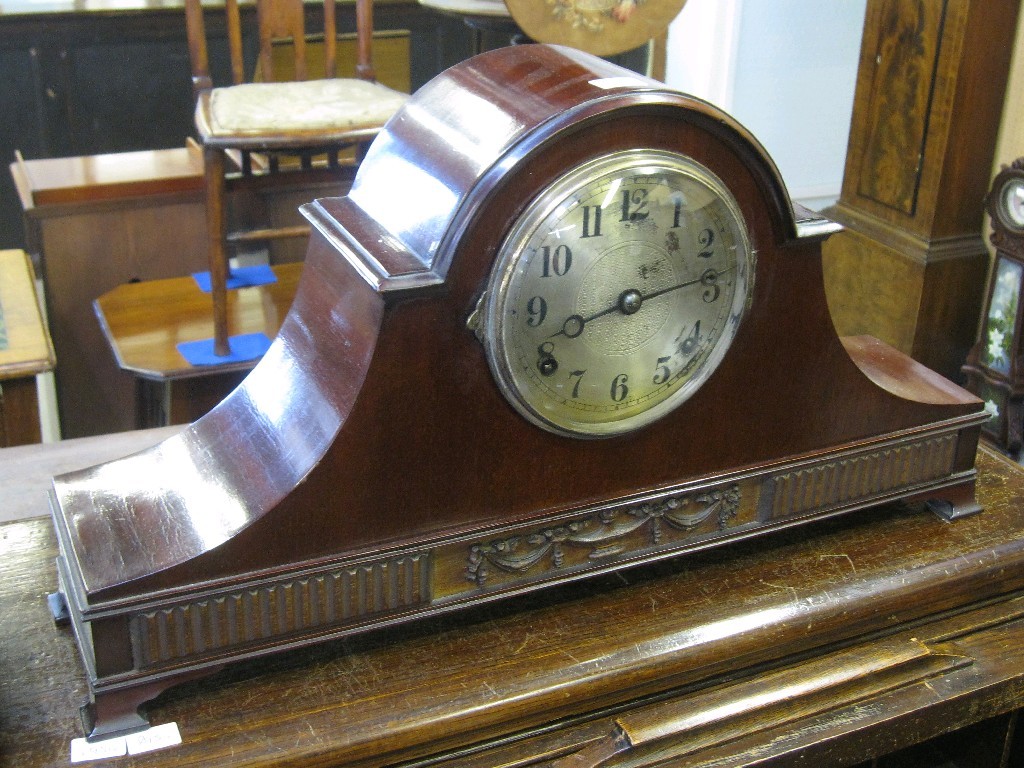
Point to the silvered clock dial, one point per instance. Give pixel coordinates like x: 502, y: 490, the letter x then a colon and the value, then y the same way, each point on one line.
x: 616, y: 293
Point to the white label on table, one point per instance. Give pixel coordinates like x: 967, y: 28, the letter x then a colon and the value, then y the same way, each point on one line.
x: 159, y: 737
x: 82, y: 750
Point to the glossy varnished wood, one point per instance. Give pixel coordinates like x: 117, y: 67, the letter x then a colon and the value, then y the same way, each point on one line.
x: 94, y: 178
x: 145, y: 321
x: 369, y: 471
x: 99, y: 222
x: 277, y: 20
x: 722, y: 658
x: 27, y: 470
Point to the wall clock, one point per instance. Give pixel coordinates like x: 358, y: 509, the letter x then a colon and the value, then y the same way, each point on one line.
x: 566, y: 322
x: 993, y: 367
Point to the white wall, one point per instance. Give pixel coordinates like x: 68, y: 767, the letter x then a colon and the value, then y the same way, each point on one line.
x: 785, y: 69
x: 1010, y: 145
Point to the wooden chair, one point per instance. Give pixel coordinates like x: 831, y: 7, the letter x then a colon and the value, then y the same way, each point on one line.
x: 300, y: 118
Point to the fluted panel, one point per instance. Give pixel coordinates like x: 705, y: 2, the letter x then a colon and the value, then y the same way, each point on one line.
x: 279, y: 609
x: 861, y: 477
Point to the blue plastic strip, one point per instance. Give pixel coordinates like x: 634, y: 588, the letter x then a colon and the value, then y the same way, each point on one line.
x: 244, y: 347
x: 239, y: 277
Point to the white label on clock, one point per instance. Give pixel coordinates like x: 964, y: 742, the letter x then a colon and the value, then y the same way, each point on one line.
x: 608, y: 83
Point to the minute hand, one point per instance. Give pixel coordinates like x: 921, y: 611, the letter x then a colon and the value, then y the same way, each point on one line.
x: 707, y: 277
x: 630, y: 301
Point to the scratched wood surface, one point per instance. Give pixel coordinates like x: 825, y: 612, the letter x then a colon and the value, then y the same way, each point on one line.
x: 564, y: 668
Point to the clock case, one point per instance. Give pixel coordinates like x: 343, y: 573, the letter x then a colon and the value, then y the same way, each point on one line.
x: 995, y: 365
x: 369, y: 472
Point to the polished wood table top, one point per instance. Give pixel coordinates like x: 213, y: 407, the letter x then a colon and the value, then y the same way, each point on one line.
x: 25, y: 346
x: 58, y: 181
x: 143, y: 322
x: 836, y: 642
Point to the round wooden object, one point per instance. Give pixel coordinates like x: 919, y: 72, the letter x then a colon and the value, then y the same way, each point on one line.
x: 600, y: 27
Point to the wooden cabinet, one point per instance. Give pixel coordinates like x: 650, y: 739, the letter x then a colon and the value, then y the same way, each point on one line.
x: 100, y: 221
x: 97, y: 222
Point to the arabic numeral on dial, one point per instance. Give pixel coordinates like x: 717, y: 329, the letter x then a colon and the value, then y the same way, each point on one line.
x: 620, y: 390
x: 689, y: 345
x: 537, y: 310
x: 634, y: 205
x: 705, y: 240
x: 712, y: 290
x: 555, y: 262
x: 546, y: 362
x: 578, y: 375
x: 662, y: 372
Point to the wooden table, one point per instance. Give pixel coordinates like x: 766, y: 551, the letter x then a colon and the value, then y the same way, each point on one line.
x: 143, y: 323
x: 25, y: 351
x: 795, y: 649
x: 100, y: 221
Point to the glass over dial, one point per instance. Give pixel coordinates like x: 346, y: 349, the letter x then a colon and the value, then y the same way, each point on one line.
x: 1012, y: 204
x: 617, y: 293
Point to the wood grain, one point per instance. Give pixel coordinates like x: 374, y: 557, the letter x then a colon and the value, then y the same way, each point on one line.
x: 473, y: 689
x: 144, y: 322
x: 930, y: 85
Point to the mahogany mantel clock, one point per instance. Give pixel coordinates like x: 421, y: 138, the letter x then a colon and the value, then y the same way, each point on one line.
x: 565, y: 322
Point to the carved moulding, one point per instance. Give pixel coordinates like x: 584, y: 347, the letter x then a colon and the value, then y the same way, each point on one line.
x: 219, y: 625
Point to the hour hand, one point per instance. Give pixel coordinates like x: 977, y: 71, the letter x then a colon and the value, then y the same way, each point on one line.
x: 628, y: 302
x: 571, y: 328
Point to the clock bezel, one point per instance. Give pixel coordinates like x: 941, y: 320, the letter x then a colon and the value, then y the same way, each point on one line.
x: 1006, y: 218
x: 511, y: 251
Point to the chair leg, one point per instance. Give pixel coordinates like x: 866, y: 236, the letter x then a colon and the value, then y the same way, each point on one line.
x: 213, y: 161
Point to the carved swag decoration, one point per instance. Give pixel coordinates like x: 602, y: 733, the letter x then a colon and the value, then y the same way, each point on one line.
x: 601, y: 532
